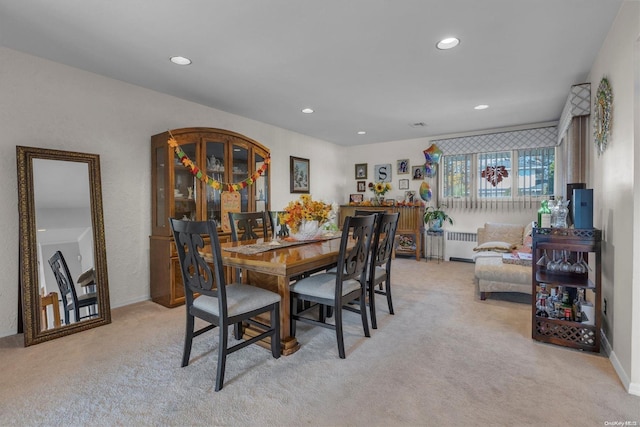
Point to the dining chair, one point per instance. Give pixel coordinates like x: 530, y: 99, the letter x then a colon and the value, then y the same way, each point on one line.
x: 247, y: 225
x: 380, y: 263
x: 219, y: 303
x: 338, y: 289
x: 278, y: 229
x: 70, y: 299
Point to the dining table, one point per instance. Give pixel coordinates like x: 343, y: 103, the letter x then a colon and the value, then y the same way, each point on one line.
x: 271, y: 265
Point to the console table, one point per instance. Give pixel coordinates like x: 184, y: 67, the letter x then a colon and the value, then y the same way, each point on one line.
x: 410, y: 225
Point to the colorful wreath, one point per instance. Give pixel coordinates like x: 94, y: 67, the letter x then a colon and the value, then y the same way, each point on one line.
x: 602, y: 115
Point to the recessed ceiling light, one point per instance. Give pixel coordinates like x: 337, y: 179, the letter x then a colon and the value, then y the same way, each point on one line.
x: 307, y: 110
x: 448, y: 43
x: 481, y: 107
x: 361, y: 132
x: 180, y: 60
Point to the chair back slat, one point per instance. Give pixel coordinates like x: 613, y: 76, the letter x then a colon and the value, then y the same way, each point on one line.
x: 245, y: 225
x: 384, y: 238
x: 352, y: 262
x: 197, y: 275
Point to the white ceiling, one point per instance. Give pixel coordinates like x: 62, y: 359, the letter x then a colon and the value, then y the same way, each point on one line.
x: 361, y: 64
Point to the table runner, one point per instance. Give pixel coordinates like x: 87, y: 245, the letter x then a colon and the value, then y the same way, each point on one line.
x: 257, y: 248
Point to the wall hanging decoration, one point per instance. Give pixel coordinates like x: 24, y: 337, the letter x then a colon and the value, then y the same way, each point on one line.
x: 602, y: 115
x: 382, y: 173
x: 495, y: 174
x: 215, y: 184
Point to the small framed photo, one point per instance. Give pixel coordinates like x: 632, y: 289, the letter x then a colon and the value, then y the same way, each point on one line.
x: 403, y: 184
x: 403, y: 166
x: 361, y: 171
x: 417, y: 172
x: 390, y: 202
x: 362, y: 186
x: 299, y: 175
x: 409, y: 196
x: 356, y: 198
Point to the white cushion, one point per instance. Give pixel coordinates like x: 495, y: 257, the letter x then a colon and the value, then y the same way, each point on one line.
x: 323, y: 285
x: 495, y: 246
x: 240, y: 299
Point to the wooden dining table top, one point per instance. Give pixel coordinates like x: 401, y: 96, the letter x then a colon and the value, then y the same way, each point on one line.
x: 283, y: 261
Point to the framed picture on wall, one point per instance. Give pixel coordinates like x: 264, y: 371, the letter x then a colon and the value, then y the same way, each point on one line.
x: 356, y: 198
x: 417, y: 172
x: 362, y: 186
x: 403, y: 166
x: 403, y: 184
x: 299, y: 175
x: 382, y: 173
x: 361, y: 171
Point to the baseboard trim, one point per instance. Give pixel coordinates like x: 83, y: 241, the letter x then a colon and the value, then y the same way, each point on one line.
x: 452, y: 258
x: 632, y: 388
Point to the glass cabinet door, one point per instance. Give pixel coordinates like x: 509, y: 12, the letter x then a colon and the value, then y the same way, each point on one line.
x: 215, y: 160
x: 261, y: 190
x: 240, y: 165
x: 161, y: 214
x: 184, y: 187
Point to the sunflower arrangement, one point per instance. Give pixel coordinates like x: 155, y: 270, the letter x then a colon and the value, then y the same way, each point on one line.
x: 379, y: 188
x: 305, y: 209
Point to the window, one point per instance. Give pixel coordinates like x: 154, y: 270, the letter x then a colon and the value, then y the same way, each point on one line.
x: 501, y: 175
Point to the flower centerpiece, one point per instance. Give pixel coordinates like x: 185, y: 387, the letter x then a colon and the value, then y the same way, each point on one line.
x: 379, y: 189
x: 305, y: 216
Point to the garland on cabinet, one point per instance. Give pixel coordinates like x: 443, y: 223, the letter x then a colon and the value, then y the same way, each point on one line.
x: 215, y: 184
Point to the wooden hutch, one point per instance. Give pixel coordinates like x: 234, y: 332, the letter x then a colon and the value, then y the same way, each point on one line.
x: 227, y: 157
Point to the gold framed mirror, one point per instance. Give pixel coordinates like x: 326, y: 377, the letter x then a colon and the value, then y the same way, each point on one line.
x: 63, y: 261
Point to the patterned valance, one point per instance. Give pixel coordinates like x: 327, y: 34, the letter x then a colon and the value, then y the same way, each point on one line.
x: 578, y: 104
x: 501, y: 141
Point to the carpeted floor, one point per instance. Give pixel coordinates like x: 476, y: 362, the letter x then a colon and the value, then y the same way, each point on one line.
x: 445, y: 358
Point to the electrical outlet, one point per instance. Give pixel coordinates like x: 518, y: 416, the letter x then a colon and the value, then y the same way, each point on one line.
x: 604, y: 310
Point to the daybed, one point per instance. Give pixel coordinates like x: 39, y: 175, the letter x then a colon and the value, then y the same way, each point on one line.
x: 494, y: 275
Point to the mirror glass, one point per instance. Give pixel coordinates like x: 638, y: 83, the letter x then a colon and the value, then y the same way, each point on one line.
x: 63, y: 272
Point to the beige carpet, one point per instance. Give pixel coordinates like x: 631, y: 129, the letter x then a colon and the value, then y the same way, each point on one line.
x: 445, y: 358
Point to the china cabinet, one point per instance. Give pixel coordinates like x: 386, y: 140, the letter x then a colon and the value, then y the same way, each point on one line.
x: 226, y: 157
x: 566, y: 288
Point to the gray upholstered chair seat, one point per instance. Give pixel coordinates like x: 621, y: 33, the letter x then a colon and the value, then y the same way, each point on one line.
x: 323, y: 285
x: 240, y: 299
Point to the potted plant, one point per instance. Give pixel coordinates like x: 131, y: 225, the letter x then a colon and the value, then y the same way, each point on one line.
x: 435, y: 217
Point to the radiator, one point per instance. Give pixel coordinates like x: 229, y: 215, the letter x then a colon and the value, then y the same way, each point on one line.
x: 458, y: 245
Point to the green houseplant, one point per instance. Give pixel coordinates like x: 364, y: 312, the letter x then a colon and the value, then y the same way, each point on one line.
x: 435, y: 217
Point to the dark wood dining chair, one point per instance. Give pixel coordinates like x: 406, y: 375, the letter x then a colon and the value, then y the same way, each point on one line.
x: 278, y: 229
x: 248, y: 225
x: 219, y: 303
x: 380, y: 263
x: 337, y: 289
x: 70, y: 299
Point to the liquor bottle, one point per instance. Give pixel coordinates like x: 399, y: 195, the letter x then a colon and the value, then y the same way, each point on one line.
x: 551, y: 301
x: 577, y: 306
x: 544, y: 215
x: 541, y: 303
x: 566, y: 306
x: 551, y: 204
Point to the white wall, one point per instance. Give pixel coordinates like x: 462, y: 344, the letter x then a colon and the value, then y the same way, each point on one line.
x: 45, y: 104
x: 615, y: 183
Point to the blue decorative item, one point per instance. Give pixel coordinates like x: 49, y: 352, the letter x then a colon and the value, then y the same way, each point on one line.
x: 425, y: 192
x: 429, y: 170
x: 432, y: 154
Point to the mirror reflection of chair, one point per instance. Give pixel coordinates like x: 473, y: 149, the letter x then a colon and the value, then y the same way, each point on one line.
x: 70, y: 299
x: 380, y: 262
x: 219, y: 303
x: 338, y: 289
x: 247, y: 225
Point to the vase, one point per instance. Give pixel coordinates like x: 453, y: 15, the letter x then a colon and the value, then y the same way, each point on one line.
x: 377, y: 200
x: 307, y: 230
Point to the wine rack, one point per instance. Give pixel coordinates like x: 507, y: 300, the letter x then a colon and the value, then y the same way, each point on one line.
x: 575, y: 245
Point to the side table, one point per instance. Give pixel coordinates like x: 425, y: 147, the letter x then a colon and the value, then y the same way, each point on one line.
x: 434, y: 248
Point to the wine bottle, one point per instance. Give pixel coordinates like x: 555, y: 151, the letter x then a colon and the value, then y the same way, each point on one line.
x: 544, y: 215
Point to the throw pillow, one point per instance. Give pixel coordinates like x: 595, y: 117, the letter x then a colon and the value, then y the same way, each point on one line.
x: 495, y: 246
